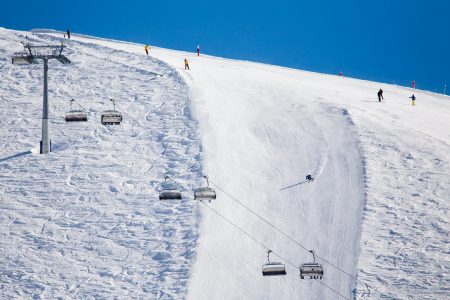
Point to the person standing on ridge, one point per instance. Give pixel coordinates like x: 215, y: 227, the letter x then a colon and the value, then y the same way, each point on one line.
x: 413, y: 99
x: 198, y: 50
x: 186, y: 64
x: 340, y: 73
x: 380, y: 95
x: 68, y: 33
x: 413, y: 84
x: 146, y: 49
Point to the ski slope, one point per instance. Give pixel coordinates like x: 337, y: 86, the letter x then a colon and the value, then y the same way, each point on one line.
x: 85, y: 221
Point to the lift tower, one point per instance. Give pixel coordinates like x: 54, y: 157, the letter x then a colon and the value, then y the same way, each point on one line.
x: 32, y: 55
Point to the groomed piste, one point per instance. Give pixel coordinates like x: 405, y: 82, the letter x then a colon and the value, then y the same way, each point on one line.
x: 88, y: 221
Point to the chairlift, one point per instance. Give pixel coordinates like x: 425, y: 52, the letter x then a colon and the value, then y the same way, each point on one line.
x: 205, y: 193
x: 314, y: 270
x: 111, y: 117
x: 75, y: 115
x: 169, y: 191
x: 273, y: 268
x: 21, y: 58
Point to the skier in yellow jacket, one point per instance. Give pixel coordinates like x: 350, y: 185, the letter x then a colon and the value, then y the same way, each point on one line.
x: 146, y: 49
x: 186, y: 64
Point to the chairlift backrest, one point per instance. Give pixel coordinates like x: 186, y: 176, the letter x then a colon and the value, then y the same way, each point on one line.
x: 273, y: 268
x: 75, y: 115
x: 169, y: 190
x: 205, y: 193
x: 314, y: 270
x: 110, y: 117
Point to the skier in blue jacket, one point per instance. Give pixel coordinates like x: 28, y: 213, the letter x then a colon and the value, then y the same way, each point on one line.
x: 413, y: 98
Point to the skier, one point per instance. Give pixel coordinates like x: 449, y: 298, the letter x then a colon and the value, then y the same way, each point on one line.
x: 309, y: 178
x: 340, y: 73
x: 68, y: 33
x: 186, y: 64
x: 413, y: 98
x: 413, y: 84
x: 146, y: 49
x: 198, y: 50
x: 380, y: 95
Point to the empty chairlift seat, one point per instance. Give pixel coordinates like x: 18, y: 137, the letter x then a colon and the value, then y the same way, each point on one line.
x: 111, y: 117
x: 169, y: 190
x: 311, y: 270
x: 22, y: 58
x: 273, y: 268
x: 205, y: 193
x: 75, y: 115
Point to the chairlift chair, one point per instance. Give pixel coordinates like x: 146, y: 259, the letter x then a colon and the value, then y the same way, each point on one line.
x: 111, y: 117
x: 273, y: 268
x: 205, y: 193
x: 169, y: 191
x: 21, y: 58
x: 75, y: 115
x: 314, y: 270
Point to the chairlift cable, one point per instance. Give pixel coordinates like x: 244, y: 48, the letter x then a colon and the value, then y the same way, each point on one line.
x: 174, y: 181
x: 267, y: 248
x: 289, y: 237
x: 154, y: 163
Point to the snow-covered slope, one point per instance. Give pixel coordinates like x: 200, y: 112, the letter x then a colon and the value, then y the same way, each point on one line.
x: 85, y: 220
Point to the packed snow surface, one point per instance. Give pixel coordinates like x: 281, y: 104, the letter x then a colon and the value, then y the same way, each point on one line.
x: 85, y: 221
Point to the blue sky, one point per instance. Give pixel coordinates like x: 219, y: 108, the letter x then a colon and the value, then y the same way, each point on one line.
x: 384, y: 40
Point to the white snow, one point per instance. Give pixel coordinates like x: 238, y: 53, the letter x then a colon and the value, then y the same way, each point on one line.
x: 85, y: 221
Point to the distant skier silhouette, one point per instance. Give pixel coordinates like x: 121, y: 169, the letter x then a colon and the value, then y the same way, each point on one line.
x: 380, y: 95
x: 198, y: 50
x: 413, y: 84
x: 309, y: 178
x: 146, y: 49
x: 186, y: 64
x: 68, y: 33
x: 340, y: 73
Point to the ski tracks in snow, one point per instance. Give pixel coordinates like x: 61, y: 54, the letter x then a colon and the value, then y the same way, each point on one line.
x: 85, y: 221
x: 408, y: 203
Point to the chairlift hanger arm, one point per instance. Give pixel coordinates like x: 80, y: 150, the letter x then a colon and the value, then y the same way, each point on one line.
x: 207, y: 180
x: 313, y: 254
x: 268, y: 255
x: 114, y: 103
